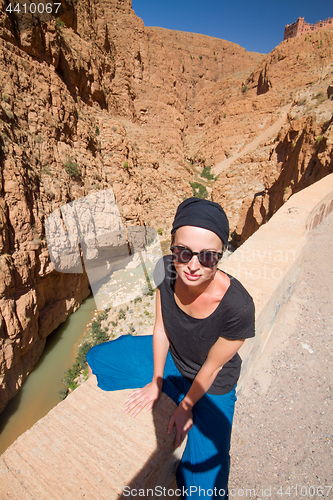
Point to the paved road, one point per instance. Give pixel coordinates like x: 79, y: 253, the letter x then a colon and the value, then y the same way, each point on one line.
x: 283, y: 433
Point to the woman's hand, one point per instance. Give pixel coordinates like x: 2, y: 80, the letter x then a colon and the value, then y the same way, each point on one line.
x: 145, y: 397
x: 182, y: 418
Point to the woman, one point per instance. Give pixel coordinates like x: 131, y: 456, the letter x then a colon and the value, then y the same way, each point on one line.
x: 203, y: 316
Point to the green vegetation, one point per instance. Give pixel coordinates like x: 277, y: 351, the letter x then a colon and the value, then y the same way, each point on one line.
x: 126, y: 165
x: 97, y: 130
x: 301, y: 101
x: 47, y: 171
x: 121, y: 314
x: 244, y: 89
x: 98, y: 335
x: 207, y: 174
x: 319, y: 138
x: 199, y: 190
x: 72, y: 168
x: 160, y: 231
x: 321, y: 97
x: 59, y: 24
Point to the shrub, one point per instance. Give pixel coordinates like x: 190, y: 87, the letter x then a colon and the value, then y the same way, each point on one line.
x: 59, y: 24
x: 199, y: 190
x: 97, y: 130
x: 244, y: 89
x: 82, y: 353
x: 121, y: 314
x: 126, y: 164
x: 72, y: 168
x: 160, y: 231
x: 301, y: 101
x: 207, y: 173
x: 321, y: 97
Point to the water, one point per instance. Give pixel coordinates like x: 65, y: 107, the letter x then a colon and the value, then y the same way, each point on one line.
x: 40, y: 392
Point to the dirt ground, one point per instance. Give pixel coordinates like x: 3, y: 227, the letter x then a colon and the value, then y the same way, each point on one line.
x: 282, y: 442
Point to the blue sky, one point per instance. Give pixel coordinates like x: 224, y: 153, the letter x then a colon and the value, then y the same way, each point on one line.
x: 255, y: 25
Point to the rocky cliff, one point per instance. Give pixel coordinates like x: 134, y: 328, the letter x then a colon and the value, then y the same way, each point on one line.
x: 254, y: 186
x: 92, y: 100
x: 89, y: 100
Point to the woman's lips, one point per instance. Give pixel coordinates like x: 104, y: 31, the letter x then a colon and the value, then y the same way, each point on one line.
x: 192, y: 277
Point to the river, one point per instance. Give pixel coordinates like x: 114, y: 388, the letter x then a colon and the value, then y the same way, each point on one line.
x: 40, y: 392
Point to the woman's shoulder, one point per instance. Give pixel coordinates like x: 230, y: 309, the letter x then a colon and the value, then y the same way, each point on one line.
x: 238, y: 295
x: 239, y: 311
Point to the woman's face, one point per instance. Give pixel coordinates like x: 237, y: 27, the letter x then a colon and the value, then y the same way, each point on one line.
x: 192, y: 273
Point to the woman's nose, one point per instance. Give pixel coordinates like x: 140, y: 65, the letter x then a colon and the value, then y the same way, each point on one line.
x: 194, y: 263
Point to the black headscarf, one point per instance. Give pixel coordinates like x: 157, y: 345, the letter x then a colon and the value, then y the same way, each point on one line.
x: 202, y: 213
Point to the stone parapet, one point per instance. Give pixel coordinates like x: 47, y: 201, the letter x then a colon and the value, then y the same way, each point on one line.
x: 269, y: 263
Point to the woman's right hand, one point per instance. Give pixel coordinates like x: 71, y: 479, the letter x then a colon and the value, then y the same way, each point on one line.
x: 141, y: 398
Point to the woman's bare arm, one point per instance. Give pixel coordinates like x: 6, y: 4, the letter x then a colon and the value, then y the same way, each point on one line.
x: 221, y: 352
x: 150, y: 393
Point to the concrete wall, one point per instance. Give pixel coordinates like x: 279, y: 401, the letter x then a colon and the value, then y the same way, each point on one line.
x: 269, y: 263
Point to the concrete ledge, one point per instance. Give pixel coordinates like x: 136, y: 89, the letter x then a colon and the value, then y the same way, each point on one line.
x: 269, y: 263
x: 87, y: 448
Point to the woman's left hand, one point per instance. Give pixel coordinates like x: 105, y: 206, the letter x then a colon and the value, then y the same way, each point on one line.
x: 182, y: 419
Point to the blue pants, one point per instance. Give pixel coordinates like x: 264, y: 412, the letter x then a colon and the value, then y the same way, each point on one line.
x: 127, y: 363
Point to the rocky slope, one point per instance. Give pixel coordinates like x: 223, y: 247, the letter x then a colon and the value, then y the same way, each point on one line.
x: 254, y: 187
x: 90, y: 100
x: 93, y: 100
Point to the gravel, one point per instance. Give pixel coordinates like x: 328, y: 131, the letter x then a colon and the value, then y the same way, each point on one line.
x: 283, y: 434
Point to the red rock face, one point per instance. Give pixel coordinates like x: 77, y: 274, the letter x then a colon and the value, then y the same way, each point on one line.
x: 95, y: 100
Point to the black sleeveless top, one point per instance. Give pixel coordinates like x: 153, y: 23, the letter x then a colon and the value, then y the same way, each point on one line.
x: 191, y: 338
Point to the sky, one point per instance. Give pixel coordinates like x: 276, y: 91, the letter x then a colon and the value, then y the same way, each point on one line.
x: 256, y: 25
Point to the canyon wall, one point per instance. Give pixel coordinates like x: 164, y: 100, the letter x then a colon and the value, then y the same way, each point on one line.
x: 297, y: 73
x: 94, y: 100
x: 90, y: 100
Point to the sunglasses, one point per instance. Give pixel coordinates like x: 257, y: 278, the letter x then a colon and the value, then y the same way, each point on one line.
x: 207, y: 258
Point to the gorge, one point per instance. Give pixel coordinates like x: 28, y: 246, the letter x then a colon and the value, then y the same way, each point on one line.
x: 94, y: 100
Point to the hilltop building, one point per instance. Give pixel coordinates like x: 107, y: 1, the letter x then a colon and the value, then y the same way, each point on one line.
x: 300, y: 27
